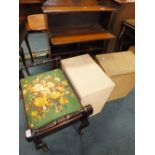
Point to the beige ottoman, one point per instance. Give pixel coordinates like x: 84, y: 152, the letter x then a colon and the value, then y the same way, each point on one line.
x: 90, y: 82
x: 132, y: 49
x: 120, y: 67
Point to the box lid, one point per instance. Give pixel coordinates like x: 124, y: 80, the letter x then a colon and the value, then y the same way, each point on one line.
x: 85, y: 75
x: 117, y: 63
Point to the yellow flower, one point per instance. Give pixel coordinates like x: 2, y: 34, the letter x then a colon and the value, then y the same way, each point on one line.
x: 50, y: 84
x: 34, y: 113
x: 63, y: 100
x: 24, y: 91
x: 40, y: 102
x: 55, y: 95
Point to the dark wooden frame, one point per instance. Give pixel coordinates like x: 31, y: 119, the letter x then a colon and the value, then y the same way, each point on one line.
x: 127, y: 30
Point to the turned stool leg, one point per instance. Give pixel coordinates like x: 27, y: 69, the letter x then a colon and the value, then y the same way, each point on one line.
x: 84, y: 124
x: 40, y: 144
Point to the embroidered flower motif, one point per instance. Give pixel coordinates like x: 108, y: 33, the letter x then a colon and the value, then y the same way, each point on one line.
x: 24, y: 91
x: 55, y: 95
x: 64, y: 83
x: 44, y: 107
x: 34, y: 113
x: 44, y: 93
x: 38, y: 87
x: 50, y: 84
x: 40, y: 102
x: 67, y: 92
x: 63, y: 100
x: 61, y: 88
x: 57, y: 79
x: 25, y: 85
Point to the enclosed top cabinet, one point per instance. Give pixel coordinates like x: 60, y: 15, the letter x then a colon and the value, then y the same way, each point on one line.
x: 73, y: 21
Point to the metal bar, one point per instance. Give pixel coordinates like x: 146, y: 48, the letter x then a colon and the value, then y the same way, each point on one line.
x: 42, y: 63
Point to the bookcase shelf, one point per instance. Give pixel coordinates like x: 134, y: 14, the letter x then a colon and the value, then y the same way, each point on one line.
x: 63, y: 9
x: 29, y: 1
x: 124, y: 1
x: 75, y: 34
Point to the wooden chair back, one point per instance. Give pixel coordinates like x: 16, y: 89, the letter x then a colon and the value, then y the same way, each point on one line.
x: 36, y: 22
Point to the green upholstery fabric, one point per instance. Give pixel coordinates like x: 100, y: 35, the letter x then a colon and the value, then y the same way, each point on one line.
x: 47, y: 97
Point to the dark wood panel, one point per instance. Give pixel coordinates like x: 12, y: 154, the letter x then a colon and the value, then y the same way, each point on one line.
x: 70, y: 19
x: 29, y: 9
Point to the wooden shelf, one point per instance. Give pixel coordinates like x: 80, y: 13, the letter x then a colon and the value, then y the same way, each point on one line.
x: 79, y: 34
x: 124, y: 1
x: 29, y: 1
x: 63, y: 9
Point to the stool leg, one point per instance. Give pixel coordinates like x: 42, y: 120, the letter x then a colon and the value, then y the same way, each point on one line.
x: 28, y: 46
x: 21, y: 53
x: 40, y: 144
x: 84, y: 124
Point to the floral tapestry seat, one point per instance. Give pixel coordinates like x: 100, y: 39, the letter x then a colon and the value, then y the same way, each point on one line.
x: 48, y: 97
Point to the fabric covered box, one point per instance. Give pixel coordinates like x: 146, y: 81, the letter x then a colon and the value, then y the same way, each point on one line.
x: 90, y: 82
x: 48, y: 97
x: 120, y: 67
x: 132, y: 49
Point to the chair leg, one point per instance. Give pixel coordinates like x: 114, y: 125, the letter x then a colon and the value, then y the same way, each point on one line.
x: 40, y: 144
x: 28, y: 46
x: 84, y: 124
x: 21, y: 75
x: 21, y: 53
x: 120, y: 39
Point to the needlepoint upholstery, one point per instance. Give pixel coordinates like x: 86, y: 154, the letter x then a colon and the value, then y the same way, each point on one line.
x: 48, y: 97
